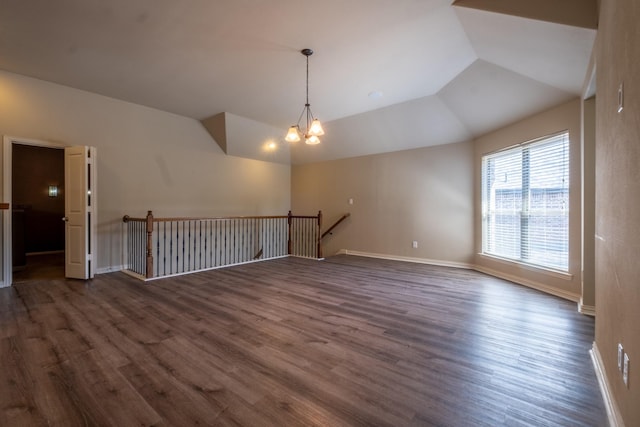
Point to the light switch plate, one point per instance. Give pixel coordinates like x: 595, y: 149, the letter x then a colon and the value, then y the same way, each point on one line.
x: 620, y: 97
x: 620, y: 357
x: 625, y: 370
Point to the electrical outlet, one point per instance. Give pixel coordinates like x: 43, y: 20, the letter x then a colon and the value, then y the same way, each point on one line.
x: 625, y: 370
x: 620, y: 356
x: 415, y: 244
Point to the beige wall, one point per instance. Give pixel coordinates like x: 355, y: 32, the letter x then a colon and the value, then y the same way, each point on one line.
x: 147, y: 159
x: 563, y: 117
x: 423, y: 194
x: 618, y: 199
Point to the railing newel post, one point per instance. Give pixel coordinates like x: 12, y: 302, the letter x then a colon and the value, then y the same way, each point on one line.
x: 319, y: 234
x: 149, y: 269
x: 289, y: 220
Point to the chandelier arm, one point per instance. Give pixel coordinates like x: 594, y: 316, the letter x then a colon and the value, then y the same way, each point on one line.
x: 309, y: 119
x: 310, y: 112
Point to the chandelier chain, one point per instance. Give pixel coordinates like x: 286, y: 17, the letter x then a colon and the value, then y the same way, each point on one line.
x: 307, y: 80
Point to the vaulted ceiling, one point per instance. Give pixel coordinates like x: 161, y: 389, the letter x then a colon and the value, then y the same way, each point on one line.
x: 386, y: 75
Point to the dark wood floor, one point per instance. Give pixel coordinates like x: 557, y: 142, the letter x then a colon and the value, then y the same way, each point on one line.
x: 40, y: 267
x: 347, y: 341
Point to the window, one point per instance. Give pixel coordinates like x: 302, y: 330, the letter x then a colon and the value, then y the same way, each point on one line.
x: 525, y: 203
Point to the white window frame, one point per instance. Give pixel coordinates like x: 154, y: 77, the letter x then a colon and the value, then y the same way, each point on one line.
x: 522, y: 252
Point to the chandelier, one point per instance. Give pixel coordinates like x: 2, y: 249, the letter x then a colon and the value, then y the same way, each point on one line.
x: 313, y: 127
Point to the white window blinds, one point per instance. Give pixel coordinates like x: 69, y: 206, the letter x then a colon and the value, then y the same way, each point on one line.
x: 525, y: 203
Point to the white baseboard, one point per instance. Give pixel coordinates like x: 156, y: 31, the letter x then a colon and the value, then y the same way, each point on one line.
x: 110, y: 269
x: 135, y: 275
x: 44, y: 253
x: 209, y: 269
x: 407, y: 259
x: 613, y: 414
x: 123, y: 268
x: 588, y: 310
x: 528, y: 283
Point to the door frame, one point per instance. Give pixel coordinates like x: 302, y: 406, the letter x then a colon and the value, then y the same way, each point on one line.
x: 7, y: 177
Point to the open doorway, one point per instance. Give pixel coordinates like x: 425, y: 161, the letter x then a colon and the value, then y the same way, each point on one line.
x: 76, y: 192
x: 37, y: 201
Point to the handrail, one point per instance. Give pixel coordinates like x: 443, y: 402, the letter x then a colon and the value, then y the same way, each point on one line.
x: 342, y: 218
x: 127, y: 218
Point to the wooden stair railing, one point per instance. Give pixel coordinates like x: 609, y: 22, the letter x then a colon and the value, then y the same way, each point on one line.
x: 342, y: 218
x: 161, y: 247
x: 318, y: 242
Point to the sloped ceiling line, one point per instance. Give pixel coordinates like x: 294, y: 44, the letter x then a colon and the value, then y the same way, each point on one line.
x: 239, y: 67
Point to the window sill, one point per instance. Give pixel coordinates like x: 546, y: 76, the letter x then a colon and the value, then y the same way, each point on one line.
x: 534, y: 268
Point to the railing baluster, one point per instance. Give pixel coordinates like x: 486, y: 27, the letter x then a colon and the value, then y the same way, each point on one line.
x: 213, y: 244
x: 189, y: 245
x: 241, y: 246
x: 164, y: 249
x: 171, y: 247
x: 247, y: 238
x: 267, y: 238
x: 236, y: 242
x: 307, y: 236
x: 226, y: 255
x: 234, y: 246
x: 138, y: 247
x: 218, y: 244
x: 182, y: 245
x: 157, y: 264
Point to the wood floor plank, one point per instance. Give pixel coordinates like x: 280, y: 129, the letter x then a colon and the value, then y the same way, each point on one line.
x: 16, y: 388
x: 176, y: 402
x: 346, y: 342
x: 104, y: 393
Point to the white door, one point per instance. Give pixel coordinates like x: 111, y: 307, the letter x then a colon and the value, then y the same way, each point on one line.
x: 80, y: 211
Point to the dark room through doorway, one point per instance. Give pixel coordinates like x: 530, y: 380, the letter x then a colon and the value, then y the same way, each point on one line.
x: 38, y: 231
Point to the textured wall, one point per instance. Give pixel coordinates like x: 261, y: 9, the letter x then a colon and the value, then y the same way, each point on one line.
x: 147, y: 159
x: 618, y: 198
x: 424, y: 195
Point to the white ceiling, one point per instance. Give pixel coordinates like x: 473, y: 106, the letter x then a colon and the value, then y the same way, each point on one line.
x: 447, y: 73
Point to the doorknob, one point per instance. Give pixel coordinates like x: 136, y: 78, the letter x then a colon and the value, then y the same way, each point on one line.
x: 65, y: 219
